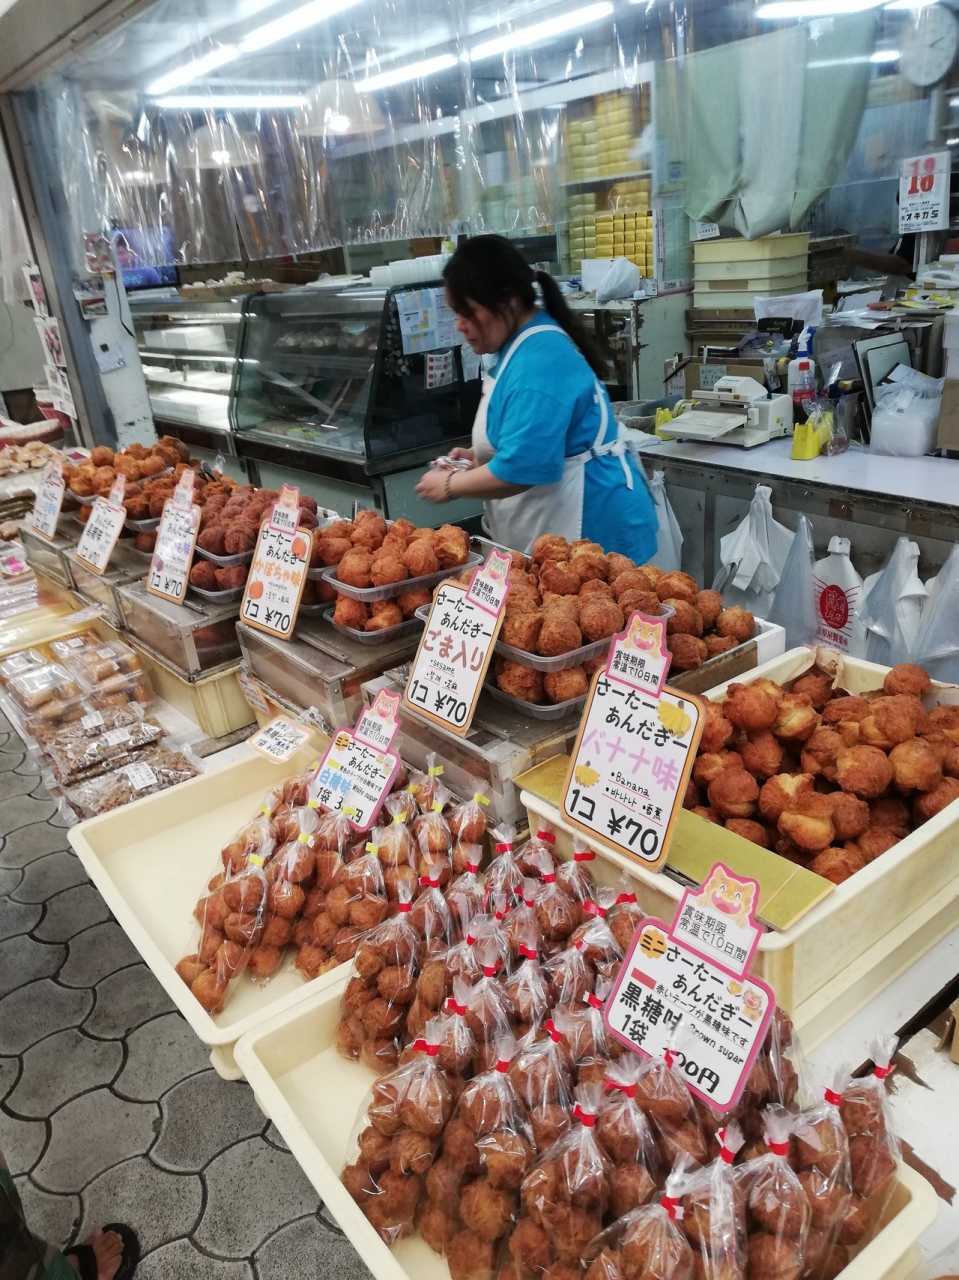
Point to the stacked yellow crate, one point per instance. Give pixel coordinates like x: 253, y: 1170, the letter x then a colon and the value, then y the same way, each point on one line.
x: 581, y: 147
x: 614, y: 133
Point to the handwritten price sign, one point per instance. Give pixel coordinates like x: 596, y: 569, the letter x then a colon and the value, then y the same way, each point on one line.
x: 101, y: 531
x: 175, y: 544
x: 355, y: 775
x: 278, y: 572
x: 46, y: 509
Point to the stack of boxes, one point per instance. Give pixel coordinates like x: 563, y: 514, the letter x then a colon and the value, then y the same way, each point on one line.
x: 612, y: 235
x: 730, y: 272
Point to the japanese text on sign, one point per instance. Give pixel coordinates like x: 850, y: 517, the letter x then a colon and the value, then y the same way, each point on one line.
x: 378, y: 725
x: 354, y: 779
x: 277, y: 575
x: 639, y: 656
x: 924, y: 193
x: 279, y: 740
x: 101, y: 531
x: 490, y: 583
x: 716, y: 920
x: 46, y: 509
x: 451, y: 662
x: 283, y: 517
x: 176, y: 540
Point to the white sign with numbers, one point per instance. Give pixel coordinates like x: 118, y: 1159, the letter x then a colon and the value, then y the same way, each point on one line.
x: 924, y: 193
x: 176, y: 540
x: 279, y: 740
x: 101, y: 531
x: 46, y: 509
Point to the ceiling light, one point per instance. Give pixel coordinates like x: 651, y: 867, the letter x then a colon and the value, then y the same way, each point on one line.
x: 412, y: 71
x: 813, y: 8
x: 886, y: 55
x: 193, y: 70
x: 308, y: 15
x: 540, y: 31
x: 230, y: 101
x: 880, y: 56
x: 335, y: 108
x: 952, y: 142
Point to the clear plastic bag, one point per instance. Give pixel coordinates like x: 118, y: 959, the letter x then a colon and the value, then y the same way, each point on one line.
x: 712, y: 1214
x: 874, y: 1150
x: 541, y: 1073
x: 776, y: 1209
x: 625, y: 1135
x: 646, y: 1244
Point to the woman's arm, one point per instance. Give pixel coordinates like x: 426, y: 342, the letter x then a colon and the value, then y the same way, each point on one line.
x: 442, y: 485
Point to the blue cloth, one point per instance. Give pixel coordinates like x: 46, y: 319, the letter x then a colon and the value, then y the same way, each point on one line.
x: 542, y: 411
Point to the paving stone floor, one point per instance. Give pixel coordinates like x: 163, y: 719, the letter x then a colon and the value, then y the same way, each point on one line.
x: 109, y: 1109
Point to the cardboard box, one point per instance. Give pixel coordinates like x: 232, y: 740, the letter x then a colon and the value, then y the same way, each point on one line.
x: 695, y: 375
x: 948, y: 437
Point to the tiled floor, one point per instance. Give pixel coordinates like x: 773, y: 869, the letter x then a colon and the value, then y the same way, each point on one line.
x: 109, y: 1109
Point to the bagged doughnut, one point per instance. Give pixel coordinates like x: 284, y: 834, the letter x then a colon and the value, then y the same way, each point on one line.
x: 645, y: 1244
x: 541, y: 1073
x: 529, y: 855
x: 874, y: 1148
x: 582, y: 1027
x: 488, y: 1010
x: 623, y: 1132
x: 431, y: 831
x: 777, y: 1213
x: 521, y: 923
x: 570, y: 975
x: 430, y: 917
x: 467, y: 820
x: 503, y: 876
x: 526, y: 988
x: 557, y: 912
x: 464, y: 895
x: 625, y: 915
x: 712, y: 1212
x: 668, y: 1104
x: 423, y: 787
x: 594, y: 937
x: 576, y: 877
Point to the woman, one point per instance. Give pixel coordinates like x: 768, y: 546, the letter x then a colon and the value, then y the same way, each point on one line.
x: 546, y: 455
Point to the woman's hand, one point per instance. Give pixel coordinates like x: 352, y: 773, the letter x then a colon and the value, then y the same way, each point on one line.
x: 434, y: 484
x: 469, y: 454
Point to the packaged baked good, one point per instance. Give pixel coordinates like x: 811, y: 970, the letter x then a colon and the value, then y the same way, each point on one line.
x: 467, y: 820
x: 712, y: 1212
x: 625, y: 915
x: 625, y: 1135
x: 526, y: 987
x: 232, y: 920
x: 424, y: 786
x: 594, y: 937
x: 529, y: 855
x: 488, y: 1010
x: 571, y: 976
x: 668, y: 1104
x: 776, y: 1208
x: 156, y: 769
x: 874, y: 1149
x: 503, y: 875
x: 645, y: 1244
x: 557, y: 911
x: 582, y: 1027
x: 78, y: 752
x: 541, y: 1073
x: 464, y: 895
x: 430, y: 916
x: 520, y: 923
x: 38, y: 689
x: 18, y: 664
x: 575, y: 877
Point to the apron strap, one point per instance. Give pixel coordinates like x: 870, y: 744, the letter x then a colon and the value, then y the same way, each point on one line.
x: 614, y: 448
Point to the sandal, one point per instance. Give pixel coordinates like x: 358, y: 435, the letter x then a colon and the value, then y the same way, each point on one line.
x: 87, y: 1259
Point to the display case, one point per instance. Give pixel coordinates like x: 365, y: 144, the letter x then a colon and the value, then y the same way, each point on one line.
x: 335, y: 383
x: 188, y: 353
x: 48, y: 555
x: 193, y: 636
x: 126, y: 565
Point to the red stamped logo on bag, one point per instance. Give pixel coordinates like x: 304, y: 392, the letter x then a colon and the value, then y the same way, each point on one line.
x: 834, y: 607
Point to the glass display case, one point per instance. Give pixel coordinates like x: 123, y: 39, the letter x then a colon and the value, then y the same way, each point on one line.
x: 327, y: 384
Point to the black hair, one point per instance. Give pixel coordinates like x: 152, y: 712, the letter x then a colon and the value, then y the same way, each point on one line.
x: 492, y: 272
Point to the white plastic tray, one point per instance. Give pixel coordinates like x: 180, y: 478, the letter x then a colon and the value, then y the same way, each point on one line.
x: 538, y: 710
x: 225, y: 562
x: 151, y: 861
x: 219, y: 597
x: 313, y: 1095
x: 406, y: 627
x: 368, y: 595
x: 142, y: 526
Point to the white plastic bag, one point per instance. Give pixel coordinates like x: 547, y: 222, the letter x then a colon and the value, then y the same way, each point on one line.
x: 838, y: 589
x: 892, y: 608
x: 794, y: 608
x: 905, y: 424
x: 806, y: 307
x: 937, y: 644
x: 621, y: 280
x: 753, y: 557
x: 669, y: 539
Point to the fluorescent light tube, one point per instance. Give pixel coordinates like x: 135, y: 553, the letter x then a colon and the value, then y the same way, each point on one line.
x: 813, y: 8
x: 228, y: 101
x: 308, y: 15
x: 412, y: 71
x: 193, y: 70
x: 540, y: 31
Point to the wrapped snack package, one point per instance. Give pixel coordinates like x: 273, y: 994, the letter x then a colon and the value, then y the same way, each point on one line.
x: 582, y: 1027
x: 529, y: 855
x: 432, y: 833
x: 711, y: 1217
x: 19, y: 664
x: 668, y: 1104
x: 80, y: 750
x: 594, y: 937
x: 527, y: 988
x: 522, y: 919
x: 571, y: 976
x: 464, y: 894
x: 488, y: 1010
x: 423, y: 787
x: 624, y: 1134
x: 838, y: 1217
x: 378, y: 997
x: 776, y: 1207
x: 576, y: 876
x: 155, y: 769
x: 566, y: 1193
x: 541, y: 1073
x: 557, y: 912
x: 625, y: 916
x: 503, y: 876
x: 467, y: 820
x: 646, y: 1244
x: 873, y: 1147
x: 430, y: 916
x: 409, y: 1110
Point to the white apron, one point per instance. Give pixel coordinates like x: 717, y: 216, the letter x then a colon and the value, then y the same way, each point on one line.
x: 518, y: 521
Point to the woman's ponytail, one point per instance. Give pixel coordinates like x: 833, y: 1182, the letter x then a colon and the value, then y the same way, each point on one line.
x: 557, y: 307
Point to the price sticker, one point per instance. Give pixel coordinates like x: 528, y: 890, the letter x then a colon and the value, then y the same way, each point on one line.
x: 94, y: 720
x: 101, y: 531
x: 924, y: 193
x: 274, y: 587
x: 457, y: 645
x: 46, y: 509
x: 635, y: 748
x: 141, y: 776
x: 694, y: 975
x: 113, y: 737
x: 251, y: 690
x: 279, y: 740
x: 355, y: 776
x: 176, y: 543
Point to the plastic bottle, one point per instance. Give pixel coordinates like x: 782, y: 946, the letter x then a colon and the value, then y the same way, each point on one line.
x: 804, y: 391
x: 792, y: 373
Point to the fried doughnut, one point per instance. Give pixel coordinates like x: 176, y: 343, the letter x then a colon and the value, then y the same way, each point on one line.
x: 750, y: 707
x: 836, y: 864
x: 383, y: 615
x: 762, y: 756
x: 387, y: 568
x: 906, y: 677
x: 203, y: 575
x: 945, y: 719
x: 930, y: 803
x: 521, y: 630
x: 594, y: 587
x: 707, y: 814
x: 519, y: 682
x: 717, y: 729
x: 549, y: 546
x: 560, y: 577
x: 887, y: 724
x: 807, y: 821
x: 562, y: 686
x: 350, y: 613
x: 820, y: 752
x: 850, y: 815
x: 419, y: 559
x: 876, y: 841
x: 736, y: 622
x: 410, y: 601
x: 755, y: 832
x: 796, y: 720
x: 589, y: 561
x: 560, y: 634
x: 710, y: 764
x: 733, y: 794
x: 633, y: 580
x: 639, y: 602
x: 816, y: 686
x: 710, y: 606
x: 865, y: 771
x: 688, y: 652
x: 686, y: 620
x: 599, y: 618
x: 617, y: 564
x: 915, y: 766
x: 845, y: 707
x: 330, y: 551
x: 452, y: 546
x: 677, y: 585
x: 354, y: 568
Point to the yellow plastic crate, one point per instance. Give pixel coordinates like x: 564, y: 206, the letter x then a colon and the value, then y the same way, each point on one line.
x: 215, y: 702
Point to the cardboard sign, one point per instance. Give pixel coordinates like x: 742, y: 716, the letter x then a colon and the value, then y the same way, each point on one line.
x: 101, y: 531
x: 635, y: 749
x: 694, y: 975
x: 279, y: 740
x: 356, y: 774
x: 456, y: 647
x: 175, y: 544
x: 924, y: 192
x: 274, y: 587
x: 46, y: 509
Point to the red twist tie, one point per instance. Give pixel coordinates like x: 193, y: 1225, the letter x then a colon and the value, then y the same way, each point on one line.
x: 489, y: 970
x: 729, y: 1156
x: 593, y: 1000
x: 777, y: 1148
x: 594, y: 909
x: 505, y: 848
x: 832, y: 1096
x: 431, y: 1050
x: 625, y: 897
x: 470, y: 940
x: 672, y: 1206
x: 500, y: 914
x: 554, y: 1034
x: 669, y: 1057
x: 579, y: 944
x: 628, y: 1089
x: 453, y: 1007
x: 473, y: 867
x: 404, y: 907
x: 546, y: 836
x: 549, y: 877
x: 502, y: 1065
x: 586, y: 1118
x: 881, y: 1072
x: 584, y: 855
x: 419, y: 1046
x: 528, y: 953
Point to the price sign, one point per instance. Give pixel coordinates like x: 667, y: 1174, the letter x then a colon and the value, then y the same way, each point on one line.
x: 693, y: 975
x: 635, y: 748
x: 101, y: 531
x: 279, y: 740
x: 356, y: 774
x: 251, y: 690
x: 273, y: 590
x: 46, y: 509
x: 924, y: 193
x: 176, y: 541
x: 457, y: 645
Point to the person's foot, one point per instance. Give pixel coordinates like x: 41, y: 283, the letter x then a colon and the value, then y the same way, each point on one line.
x: 108, y: 1248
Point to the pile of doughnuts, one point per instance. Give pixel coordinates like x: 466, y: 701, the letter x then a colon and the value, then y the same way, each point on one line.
x: 567, y: 595
x: 95, y: 477
x: 827, y: 779
x: 229, y: 525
